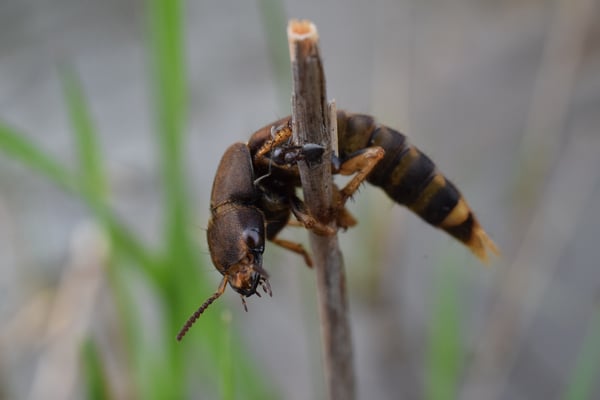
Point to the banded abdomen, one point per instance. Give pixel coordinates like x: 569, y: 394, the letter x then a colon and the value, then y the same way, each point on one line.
x: 410, y: 178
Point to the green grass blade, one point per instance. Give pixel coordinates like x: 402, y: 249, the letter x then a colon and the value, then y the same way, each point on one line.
x: 93, y: 181
x: 445, y: 353
x: 182, y: 279
x: 169, y: 87
x: 91, y: 170
x: 226, y: 359
x: 94, y: 373
x: 168, y: 81
x: 586, y: 372
x: 127, y: 243
x: 166, y: 50
x: 18, y: 146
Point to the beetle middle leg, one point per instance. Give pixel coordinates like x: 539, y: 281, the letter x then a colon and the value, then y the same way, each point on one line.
x: 309, y: 222
x: 296, y: 248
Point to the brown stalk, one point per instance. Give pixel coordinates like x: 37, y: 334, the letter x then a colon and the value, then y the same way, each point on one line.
x: 312, y: 124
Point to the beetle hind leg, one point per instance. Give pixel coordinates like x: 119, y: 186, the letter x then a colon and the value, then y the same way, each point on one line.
x: 343, y: 218
x: 360, y: 163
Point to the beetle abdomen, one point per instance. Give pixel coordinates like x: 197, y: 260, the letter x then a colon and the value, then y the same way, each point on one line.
x: 410, y: 178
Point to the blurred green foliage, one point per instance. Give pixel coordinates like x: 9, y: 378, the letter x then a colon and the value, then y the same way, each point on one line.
x: 445, y: 353
x: 160, y: 366
x: 586, y: 370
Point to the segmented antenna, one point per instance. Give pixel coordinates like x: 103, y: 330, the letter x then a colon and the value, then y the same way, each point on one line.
x: 204, y: 306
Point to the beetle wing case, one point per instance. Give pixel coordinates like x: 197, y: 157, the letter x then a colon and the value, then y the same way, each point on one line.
x: 234, y: 180
x: 233, y: 209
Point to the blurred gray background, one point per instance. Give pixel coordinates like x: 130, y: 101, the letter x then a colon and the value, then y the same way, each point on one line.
x: 503, y: 95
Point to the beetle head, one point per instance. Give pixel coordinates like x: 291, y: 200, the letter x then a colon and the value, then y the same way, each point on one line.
x: 236, y: 240
x: 245, y: 275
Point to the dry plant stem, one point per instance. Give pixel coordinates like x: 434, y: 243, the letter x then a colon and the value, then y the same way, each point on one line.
x: 311, y: 124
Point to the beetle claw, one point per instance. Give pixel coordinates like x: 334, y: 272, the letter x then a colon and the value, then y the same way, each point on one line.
x: 244, y: 303
x: 266, y: 288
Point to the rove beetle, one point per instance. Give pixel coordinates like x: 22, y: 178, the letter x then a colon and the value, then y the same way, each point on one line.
x: 254, y: 195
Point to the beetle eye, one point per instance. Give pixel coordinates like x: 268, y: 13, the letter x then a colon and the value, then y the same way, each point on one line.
x: 253, y: 238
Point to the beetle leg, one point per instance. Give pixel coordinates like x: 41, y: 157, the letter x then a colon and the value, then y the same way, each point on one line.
x: 266, y: 287
x: 362, y: 163
x: 279, y: 135
x: 295, y: 223
x: 343, y: 218
x: 244, y: 302
x: 296, y: 248
x: 308, y: 220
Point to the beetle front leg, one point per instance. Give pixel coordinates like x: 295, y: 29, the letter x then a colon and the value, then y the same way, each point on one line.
x: 279, y: 135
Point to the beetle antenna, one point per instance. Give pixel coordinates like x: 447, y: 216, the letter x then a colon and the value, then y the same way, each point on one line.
x: 204, y: 306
